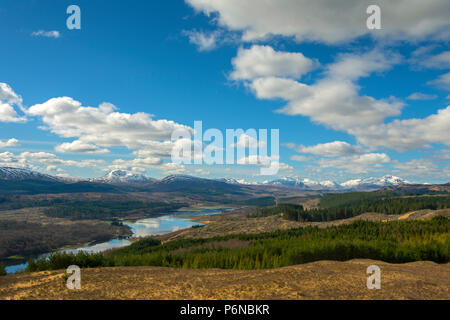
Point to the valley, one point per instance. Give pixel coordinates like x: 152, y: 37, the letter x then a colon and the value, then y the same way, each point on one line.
x: 201, y: 227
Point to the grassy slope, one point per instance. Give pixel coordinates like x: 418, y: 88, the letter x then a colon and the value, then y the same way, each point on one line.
x: 317, y: 280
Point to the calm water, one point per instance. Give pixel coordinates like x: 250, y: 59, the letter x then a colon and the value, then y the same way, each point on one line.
x: 141, y: 228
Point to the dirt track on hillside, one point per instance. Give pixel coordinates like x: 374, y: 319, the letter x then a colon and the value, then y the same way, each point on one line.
x: 317, y: 280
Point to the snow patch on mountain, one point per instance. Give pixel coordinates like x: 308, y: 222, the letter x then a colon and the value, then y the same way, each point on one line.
x: 123, y: 176
x: 361, y: 183
x: 384, y: 181
x: 20, y: 174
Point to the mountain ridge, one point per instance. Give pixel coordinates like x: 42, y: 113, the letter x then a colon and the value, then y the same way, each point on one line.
x: 179, y: 181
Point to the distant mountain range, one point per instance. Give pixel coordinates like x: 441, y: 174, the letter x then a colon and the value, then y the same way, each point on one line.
x: 356, y: 184
x: 18, y: 179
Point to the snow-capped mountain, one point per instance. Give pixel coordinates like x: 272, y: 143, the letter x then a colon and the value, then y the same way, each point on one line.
x: 182, y: 178
x: 20, y: 174
x: 305, y: 183
x: 184, y: 181
x: 122, y: 176
x: 236, y: 181
x: 287, y: 181
x: 189, y: 183
x: 372, y: 182
x: 331, y: 185
x: 362, y: 183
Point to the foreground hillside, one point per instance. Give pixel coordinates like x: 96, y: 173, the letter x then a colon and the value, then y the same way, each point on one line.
x: 317, y: 280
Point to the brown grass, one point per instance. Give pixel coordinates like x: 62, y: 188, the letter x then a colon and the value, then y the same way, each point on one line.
x: 317, y: 280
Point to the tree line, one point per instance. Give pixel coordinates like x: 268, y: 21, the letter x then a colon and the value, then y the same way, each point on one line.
x: 353, y: 208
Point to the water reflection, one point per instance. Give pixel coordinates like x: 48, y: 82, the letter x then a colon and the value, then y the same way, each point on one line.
x: 141, y: 228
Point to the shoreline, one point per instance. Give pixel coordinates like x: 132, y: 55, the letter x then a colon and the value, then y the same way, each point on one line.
x: 129, y: 234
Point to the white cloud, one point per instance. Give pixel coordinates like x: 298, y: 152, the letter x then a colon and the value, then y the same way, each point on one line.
x: 257, y: 160
x: 408, y: 134
x: 300, y: 158
x: 98, y: 128
x: 334, y: 100
x: 41, y: 160
x: 104, y: 126
x: 202, y: 172
x: 443, y: 81
x: 204, y: 41
x: 264, y: 61
x: 146, y: 163
x: 355, y: 163
x: 8, y: 114
x: 8, y: 95
x: 423, y: 57
x: 352, y: 66
x: 329, y: 21
x: 421, y: 96
x: 8, y: 98
x: 274, y: 88
x: 173, y: 168
x: 284, y: 166
x: 330, y: 149
x: 78, y: 146
x: 9, y: 143
x: 48, y: 34
x: 422, y: 168
x: 246, y: 141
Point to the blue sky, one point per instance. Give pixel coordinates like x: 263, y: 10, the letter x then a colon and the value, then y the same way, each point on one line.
x: 360, y: 102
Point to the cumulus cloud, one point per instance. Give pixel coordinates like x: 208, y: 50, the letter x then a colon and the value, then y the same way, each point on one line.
x: 263, y: 61
x: 103, y: 126
x: 8, y: 114
x: 355, y: 163
x: 47, y: 34
x: 352, y: 66
x: 330, y: 149
x: 329, y: 21
x: 337, y: 104
x: 9, y: 143
x: 98, y: 128
x: 8, y: 98
x: 265, y: 162
x: 421, y: 168
x: 8, y: 95
x: 334, y: 100
x: 40, y: 160
x: 408, y: 134
x: 247, y: 141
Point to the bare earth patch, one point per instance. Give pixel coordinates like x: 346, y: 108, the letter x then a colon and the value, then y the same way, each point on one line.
x: 317, y: 280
